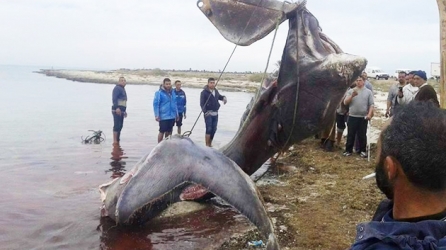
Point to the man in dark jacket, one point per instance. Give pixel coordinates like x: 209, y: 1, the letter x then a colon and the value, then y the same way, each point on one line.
x: 119, y: 100
x: 209, y: 105
x: 181, y: 104
x: 425, y: 92
x: 411, y: 172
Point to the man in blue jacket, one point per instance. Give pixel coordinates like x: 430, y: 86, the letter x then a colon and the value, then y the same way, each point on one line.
x: 209, y: 105
x: 411, y: 172
x: 181, y: 104
x: 119, y: 100
x: 165, y: 109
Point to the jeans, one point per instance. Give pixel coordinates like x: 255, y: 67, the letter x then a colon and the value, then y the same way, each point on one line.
x: 211, y: 125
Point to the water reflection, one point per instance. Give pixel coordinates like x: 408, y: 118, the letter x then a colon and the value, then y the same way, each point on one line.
x: 117, y: 165
x: 187, y: 232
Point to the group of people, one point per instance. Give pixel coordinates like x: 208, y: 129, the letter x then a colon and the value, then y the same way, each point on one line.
x: 169, y: 108
x: 354, y: 111
x: 411, y: 166
x: 411, y: 86
x: 357, y: 109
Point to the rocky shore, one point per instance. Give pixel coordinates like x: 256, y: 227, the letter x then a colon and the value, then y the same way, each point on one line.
x: 191, y: 79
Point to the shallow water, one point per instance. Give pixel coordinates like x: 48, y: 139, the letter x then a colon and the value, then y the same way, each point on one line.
x: 50, y: 179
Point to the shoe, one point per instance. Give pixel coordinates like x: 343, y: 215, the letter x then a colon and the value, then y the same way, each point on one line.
x: 329, y: 146
x: 363, y: 155
x: 346, y: 153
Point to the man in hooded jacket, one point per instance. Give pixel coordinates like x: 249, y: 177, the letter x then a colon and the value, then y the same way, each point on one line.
x: 165, y: 109
x: 209, y: 105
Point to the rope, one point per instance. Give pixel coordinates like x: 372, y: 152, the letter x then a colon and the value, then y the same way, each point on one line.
x: 188, y: 133
x: 270, y: 51
x: 296, y: 100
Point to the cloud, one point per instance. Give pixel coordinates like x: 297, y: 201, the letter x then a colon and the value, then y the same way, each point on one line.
x: 175, y: 34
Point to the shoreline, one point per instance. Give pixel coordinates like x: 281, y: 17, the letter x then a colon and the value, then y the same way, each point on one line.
x: 190, y: 79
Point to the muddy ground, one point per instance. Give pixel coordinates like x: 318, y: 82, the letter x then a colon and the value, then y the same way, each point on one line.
x: 316, y: 198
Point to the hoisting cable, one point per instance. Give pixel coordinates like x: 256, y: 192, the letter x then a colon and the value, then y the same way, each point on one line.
x: 188, y: 133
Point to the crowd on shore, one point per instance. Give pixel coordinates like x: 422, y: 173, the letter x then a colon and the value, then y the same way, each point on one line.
x: 357, y: 109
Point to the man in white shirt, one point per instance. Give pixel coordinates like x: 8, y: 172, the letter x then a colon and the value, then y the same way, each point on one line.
x: 409, y: 91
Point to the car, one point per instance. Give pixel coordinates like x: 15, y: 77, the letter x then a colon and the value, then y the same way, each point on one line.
x: 376, y: 73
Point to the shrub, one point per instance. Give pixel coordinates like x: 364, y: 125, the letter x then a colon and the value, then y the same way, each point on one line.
x: 256, y: 77
x: 159, y: 72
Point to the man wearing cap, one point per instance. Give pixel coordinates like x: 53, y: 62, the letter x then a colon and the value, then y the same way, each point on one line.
x: 409, y: 91
x: 426, y: 92
x: 411, y: 173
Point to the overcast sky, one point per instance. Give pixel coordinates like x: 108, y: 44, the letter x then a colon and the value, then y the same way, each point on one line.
x: 174, y: 34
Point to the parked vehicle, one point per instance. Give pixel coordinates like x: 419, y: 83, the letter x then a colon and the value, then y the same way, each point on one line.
x: 376, y: 73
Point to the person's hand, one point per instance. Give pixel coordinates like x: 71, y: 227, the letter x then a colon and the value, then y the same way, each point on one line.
x: 387, y: 113
x: 157, y: 118
x: 206, y: 114
x: 125, y: 114
x: 400, y: 94
x: 368, y: 117
x: 354, y: 93
x: 184, y: 116
x: 177, y: 118
x: 225, y: 100
x: 118, y: 111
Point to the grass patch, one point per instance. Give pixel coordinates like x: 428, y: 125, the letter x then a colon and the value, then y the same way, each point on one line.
x: 256, y: 77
